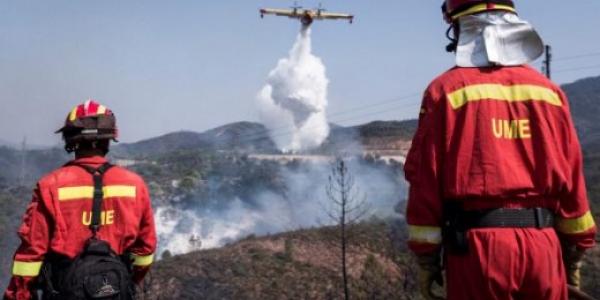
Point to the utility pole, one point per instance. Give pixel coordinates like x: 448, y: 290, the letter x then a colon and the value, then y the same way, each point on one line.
x: 23, y: 161
x: 547, y: 62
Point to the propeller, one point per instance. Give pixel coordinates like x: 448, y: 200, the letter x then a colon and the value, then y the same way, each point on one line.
x: 296, y: 6
x: 320, y: 8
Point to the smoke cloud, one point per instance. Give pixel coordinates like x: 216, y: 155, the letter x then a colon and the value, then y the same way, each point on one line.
x: 304, y: 204
x: 292, y: 103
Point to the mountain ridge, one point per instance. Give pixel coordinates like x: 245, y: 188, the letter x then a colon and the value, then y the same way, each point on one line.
x: 248, y: 136
x: 584, y: 100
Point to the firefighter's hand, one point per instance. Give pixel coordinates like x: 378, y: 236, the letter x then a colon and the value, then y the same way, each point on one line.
x: 430, y: 271
x: 572, y: 258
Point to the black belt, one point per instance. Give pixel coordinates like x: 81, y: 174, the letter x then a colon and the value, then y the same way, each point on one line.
x: 507, y: 218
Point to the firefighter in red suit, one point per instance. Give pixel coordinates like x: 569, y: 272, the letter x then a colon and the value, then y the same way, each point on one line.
x: 57, y: 220
x: 497, y: 189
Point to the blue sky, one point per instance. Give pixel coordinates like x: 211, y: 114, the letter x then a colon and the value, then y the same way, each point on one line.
x: 164, y: 66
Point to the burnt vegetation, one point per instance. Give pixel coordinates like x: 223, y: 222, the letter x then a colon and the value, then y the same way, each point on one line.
x: 294, y: 265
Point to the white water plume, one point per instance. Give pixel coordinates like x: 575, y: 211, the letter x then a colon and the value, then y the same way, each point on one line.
x: 292, y: 103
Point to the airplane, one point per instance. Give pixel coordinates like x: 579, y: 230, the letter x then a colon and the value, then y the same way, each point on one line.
x: 306, y: 16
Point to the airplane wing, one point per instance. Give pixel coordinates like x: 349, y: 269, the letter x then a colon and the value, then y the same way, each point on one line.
x: 281, y: 12
x: 335, y: 16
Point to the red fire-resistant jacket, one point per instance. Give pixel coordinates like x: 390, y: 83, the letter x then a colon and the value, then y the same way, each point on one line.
x: 491, y: 138
x: 58, y: 218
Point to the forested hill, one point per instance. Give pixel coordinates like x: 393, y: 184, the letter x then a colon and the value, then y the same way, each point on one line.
x: 250, y: 137
x: 584, y: 96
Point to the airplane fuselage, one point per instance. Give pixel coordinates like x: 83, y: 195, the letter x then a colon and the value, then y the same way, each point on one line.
x: 306, y: 16
x: 306, y: 19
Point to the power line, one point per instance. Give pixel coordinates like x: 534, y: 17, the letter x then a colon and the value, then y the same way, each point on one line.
x: 564, y: 58
x: 376, y: 104
x: 285, y: 130
x: 288, y: 130
x: 342, y: 120
x: 577, y: 69
x: 411, y: 104
x: 271, y: 134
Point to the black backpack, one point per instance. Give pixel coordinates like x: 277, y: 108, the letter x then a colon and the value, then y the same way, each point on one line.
x: 97, y: 272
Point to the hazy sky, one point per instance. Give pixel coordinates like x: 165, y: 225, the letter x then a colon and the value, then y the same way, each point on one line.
x: 164, y: 66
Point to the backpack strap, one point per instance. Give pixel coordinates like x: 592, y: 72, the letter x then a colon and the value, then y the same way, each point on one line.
x: 98, y: 175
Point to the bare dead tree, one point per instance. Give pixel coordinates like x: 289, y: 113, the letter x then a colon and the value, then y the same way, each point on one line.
x: 348, y: 208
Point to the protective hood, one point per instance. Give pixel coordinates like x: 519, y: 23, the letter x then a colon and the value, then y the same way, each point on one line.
x: 496, y: 39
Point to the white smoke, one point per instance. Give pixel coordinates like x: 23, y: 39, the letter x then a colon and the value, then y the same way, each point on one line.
x: 292, y: 104
x: 303, y: 205
x: 182, y: 231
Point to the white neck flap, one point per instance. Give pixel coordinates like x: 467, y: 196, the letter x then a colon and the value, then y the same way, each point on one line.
x: 497, y: 39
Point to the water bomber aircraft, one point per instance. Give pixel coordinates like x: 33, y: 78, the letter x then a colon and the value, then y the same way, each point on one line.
x: 306, y: 16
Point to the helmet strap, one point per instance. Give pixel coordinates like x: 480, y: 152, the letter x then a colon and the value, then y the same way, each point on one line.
x: 71, y: 147
x: 455, y: 29
x: 98, y: 147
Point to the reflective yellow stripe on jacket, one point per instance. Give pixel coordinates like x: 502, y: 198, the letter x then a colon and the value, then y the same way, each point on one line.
x: 576, y: 225
x: 23, y: 268
x: 87, y: 192
x: 498, y: 92
x: 425, y: 234
x: 142, y: 260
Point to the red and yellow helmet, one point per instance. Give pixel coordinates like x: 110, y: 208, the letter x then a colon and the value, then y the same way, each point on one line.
x: 454, y: 9
x: 89, y: 121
